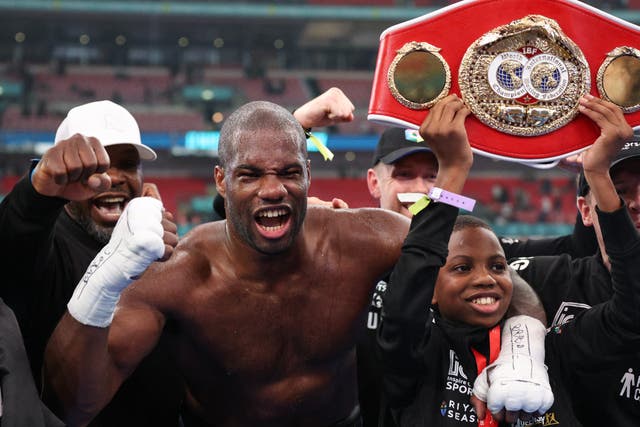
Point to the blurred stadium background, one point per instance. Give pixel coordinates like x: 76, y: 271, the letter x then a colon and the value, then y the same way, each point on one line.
x: 182, y: 67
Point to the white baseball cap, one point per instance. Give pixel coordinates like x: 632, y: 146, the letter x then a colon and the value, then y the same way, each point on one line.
x: 107, y: 121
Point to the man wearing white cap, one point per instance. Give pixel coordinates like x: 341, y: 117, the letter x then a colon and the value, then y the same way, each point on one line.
x: 117, y: 131
x: 58, y: 220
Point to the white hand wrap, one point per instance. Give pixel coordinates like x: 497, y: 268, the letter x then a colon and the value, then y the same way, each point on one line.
x: 136, y: 242
x: 518, y: 379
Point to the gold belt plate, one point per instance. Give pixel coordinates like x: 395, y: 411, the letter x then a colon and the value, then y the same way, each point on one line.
x: 524, y: 78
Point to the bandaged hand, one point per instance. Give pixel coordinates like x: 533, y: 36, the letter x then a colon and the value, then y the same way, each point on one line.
x: 136, y: 242
x: 518, y: 379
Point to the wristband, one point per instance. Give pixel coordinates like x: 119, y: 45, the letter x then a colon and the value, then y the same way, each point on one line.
x: 307, y: 132
x: 326, y: 153
x: 443, y: 196
x: 323, y: 149
x: 419, y: 201
x: 419, y: 205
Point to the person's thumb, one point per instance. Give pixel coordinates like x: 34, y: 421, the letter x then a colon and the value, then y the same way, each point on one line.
x: 479, y: 406
x: 479, y: 396
x: 150, y: 189
x: 339, y: 203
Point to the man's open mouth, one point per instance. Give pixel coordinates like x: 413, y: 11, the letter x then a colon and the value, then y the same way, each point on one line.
x: 110, y: 207
x: 272, y: 220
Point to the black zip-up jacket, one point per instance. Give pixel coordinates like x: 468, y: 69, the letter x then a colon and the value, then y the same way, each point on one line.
x: 594, y: 339
x: 582, y: 242
x: 44, y: 255
x: 429, y: 368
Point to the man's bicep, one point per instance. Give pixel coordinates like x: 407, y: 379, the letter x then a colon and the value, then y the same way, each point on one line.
x: 377, y: 235
x: 525, y: 300
x: 135, y: 331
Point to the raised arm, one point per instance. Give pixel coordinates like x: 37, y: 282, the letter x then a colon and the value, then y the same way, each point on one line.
x: 609, y: 329
x: 444, y: 131
x: 402, y: 334
x: 329, y: 108
x: 73, y: 169
x: 604, y: 339
x: 614, y: 132
x: 618, y: 319
x: 596, y: 162
x: 88, y: 357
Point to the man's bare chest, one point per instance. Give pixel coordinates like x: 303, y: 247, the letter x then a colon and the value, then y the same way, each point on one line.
x: 255, y: 329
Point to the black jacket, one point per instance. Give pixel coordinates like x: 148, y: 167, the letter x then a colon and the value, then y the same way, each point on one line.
x: 44, y: 255
x: 429, y: 368
x: 373, y: 406
x: 595, y: 323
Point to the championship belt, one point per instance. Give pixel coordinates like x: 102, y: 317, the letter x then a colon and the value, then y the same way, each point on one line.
x: 521, y: 66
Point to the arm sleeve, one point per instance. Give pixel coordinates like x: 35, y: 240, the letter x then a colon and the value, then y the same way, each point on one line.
x: 581, y: 243
x: 27, y: 224
x: 622, y: 244
x: 405, y: 311
x: 613, y: 327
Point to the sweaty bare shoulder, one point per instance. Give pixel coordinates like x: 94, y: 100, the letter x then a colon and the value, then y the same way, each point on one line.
x: 380, y: 228
x: 369, y: 232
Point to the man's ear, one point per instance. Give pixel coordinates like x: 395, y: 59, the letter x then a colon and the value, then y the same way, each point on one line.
x: 218, y: 176
x: 373, y: 184
x: 585, y: 211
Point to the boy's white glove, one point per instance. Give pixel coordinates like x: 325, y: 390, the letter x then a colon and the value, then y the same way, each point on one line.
x: 136, y: 242
x: 517, y: 380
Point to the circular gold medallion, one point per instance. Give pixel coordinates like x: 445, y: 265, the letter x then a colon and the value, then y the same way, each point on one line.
x: 524, y: 78
x: 419, y: 76
x: 619, y: 78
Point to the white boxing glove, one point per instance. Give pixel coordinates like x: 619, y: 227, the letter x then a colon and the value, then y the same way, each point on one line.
x: 135, y: 243
x: 517, y: 380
